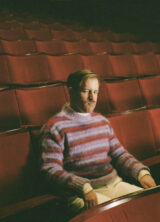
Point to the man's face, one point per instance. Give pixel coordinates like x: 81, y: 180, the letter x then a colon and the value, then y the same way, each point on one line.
x: 85, y: 100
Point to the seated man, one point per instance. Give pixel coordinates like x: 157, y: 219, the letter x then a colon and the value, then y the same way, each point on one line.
x: 79, y: 146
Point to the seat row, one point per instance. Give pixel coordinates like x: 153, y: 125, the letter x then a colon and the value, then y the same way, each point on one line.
x: 67, y: 35
x: 35, y: 105
x: 139, y: 132
x: 46, y: 68
x: 84, y: 47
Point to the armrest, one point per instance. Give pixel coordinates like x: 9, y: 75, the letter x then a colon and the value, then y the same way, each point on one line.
x: 22, y: 206
x: 152, y: 160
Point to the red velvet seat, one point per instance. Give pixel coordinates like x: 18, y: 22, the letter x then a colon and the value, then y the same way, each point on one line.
x: 38, y: 104
x: 81, y: 47
x: 67, y: 35
x: 55, y: 25
x: 29, y: 69
x: 141, y: 47
x: 17, y: 167
x: 135, y: 131
x: 101, y: 47
x: 93, y: 35
x: 9, y: 24
x: 155, y: 117
x: 125, y: 95
x: 53, y: 47
x: 31, y: 24
x: 100, y: 64
x: 39, y: 34
x: 103, y: 103
x: 121, y: 47
x: 21, y: 47
x: 5, y: 76
x: 151, y: 90
x: 12, y: 34
x: 9, y: 111
x: 123, y: 65
x: 156, y: 47
x: 62, y: 66
x: 1, y: 47
x: 147, y: 64
x: 121, y: 36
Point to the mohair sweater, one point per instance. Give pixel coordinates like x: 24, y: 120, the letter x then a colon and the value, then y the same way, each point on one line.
x: 78, y: 149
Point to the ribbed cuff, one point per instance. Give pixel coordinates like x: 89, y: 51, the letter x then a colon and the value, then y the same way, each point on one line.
x: 87, y: 188
x: 77, y: 183
x: 143, y: 173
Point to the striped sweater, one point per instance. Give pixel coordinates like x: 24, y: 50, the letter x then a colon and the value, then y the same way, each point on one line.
x: 78, y: 149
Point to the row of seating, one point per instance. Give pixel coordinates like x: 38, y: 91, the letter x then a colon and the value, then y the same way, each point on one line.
x: 27, y: 106
x: 84, y: 47
x: 139, y: 132
x: 67, y: 35
x: 46, y: 68
x: 34, y: 105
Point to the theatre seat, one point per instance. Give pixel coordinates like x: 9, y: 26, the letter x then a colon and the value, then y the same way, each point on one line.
x: 155, y: 117
x: 53, y: 47
x: 5, y: 76
x: 17, y: 167
x: 20, y: 47
x: 121, y: 36
x: 9, y: 111
x: 151, y: 90
x: 38, y: 104
x: 92, y: 35
x: 123, y: 65
x: 103, y: 104
x: 135, y: 131
x: 1, y: 47
x: 125, y: 95
x: 67, y: 35
x: 101, y: 47
x: 62, y: 66
x: 30, y: 24
x: 121, y: 47
x: 12, y: 34
x: 141, y: 47
x: 156, y: 46
x: 100, y: 64
x: 147, y: 64
x: 79, y: 47
x: 29, y: 69
x: 39, y: 34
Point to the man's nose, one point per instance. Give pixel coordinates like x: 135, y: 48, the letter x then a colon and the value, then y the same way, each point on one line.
x: 91, y: 95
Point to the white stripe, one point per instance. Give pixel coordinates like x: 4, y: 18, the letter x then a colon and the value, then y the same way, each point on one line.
x: 93, y: 145
x: 82, y: 134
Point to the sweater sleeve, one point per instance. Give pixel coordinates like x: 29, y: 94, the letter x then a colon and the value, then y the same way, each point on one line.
x: 52, y: 155
x: 124, y: 161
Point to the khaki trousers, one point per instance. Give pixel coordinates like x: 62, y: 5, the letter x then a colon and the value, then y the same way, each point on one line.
x: 112, y: 190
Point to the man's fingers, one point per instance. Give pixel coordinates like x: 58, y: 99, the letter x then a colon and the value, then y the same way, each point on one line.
x: 90, y: 204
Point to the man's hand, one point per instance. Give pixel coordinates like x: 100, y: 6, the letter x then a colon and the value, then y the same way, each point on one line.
x: 90, y: 199
x: 147, y: 181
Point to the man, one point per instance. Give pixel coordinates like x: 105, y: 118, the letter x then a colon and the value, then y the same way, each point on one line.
x: 78, y: 147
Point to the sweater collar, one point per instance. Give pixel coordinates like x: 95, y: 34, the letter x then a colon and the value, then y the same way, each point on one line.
x: 73, y: 114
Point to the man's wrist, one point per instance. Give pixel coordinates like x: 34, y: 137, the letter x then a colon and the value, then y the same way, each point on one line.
x: 143, y: 173
x: 87, y: 188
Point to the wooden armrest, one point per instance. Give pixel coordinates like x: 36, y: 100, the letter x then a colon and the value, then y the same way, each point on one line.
x: 21, y: 206
x: 152, y: 160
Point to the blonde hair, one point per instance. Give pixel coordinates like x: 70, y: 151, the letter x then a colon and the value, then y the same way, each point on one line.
x: 77, y: 79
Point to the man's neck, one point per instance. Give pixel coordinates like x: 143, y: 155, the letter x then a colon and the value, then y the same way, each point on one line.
x: 73, y: 109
